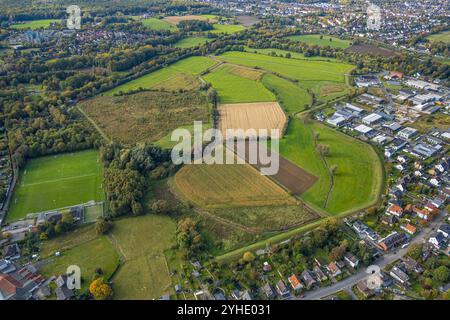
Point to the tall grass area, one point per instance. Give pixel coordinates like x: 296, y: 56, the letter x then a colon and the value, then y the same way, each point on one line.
x: 189, y: 66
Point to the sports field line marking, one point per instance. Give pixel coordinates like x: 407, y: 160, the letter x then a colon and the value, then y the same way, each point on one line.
x: 56, y: 180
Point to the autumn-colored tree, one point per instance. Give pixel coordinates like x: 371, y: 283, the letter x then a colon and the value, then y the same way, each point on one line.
x: 100, y: 290
x: 248, y: 257
x: 337, y: 253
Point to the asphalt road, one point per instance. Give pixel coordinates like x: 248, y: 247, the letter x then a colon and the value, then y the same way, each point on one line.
x: 382, y: 262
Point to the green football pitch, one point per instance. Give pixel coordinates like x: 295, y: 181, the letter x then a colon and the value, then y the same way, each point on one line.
x: 57, y: 181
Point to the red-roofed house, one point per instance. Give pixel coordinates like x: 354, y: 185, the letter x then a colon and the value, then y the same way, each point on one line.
x: 295, y: 283
x: 334, y: 269
x: 395, y: 75
x: 8, y: 286
x: 395, y: 210
x: 422, y: 213
x: 410, y: 228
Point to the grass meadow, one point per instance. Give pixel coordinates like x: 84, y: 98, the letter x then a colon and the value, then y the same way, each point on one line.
x: 191, y: 42
x: 35, y: 24
x: 358, y: 177
x: 227, y: 28
x: 441, y: 36
x: 89, y: 256
x: 310, y: 74
x: 191, y: 66
x: 142, y: 241
x: 235, y: 87
x: 158, y: 24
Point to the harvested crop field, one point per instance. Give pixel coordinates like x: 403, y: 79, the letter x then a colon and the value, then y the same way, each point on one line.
x: 258, y: 115
x: 370, y: 49
x: 228, y: 185
x: 289, y: 175
x: 146, y: 116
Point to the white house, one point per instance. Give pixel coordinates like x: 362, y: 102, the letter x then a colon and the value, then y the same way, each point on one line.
x: 444, y: 229
x: 437, y: 239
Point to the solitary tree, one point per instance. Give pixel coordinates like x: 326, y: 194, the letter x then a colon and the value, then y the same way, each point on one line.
x: 333, y: 169
x: 248, y: 257
x: 323, y: 150
x: 100, y: 290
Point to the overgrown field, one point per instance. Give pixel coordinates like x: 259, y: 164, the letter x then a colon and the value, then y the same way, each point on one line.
x: 322, y: 40
x: 146, y: 116
x: 236, y: 84
x: 186, y: 68
x: 142, y: 242
x: 167, y: 143
x: 267, y: 218
x: 57, y: 181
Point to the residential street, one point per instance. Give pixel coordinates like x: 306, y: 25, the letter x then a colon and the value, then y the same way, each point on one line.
x: 382, y: 262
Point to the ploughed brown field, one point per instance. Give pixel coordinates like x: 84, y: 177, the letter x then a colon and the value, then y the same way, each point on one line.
x: 289, y: 175
x: 256, y: 115
x: 370, y: 49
